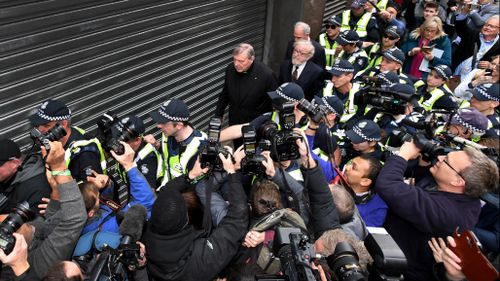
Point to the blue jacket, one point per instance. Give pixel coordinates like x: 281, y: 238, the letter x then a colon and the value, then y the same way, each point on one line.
x: 374, y: 211
x: 140, y: 193
x: 416, y: 215
x: 442, y: 43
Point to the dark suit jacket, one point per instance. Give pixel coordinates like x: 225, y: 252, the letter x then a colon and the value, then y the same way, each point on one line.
x: 470, y: 37
x: 319, y: 57
x: 310, y: 79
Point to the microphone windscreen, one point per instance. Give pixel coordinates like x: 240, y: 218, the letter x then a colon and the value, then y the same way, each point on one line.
x: 133, y: 222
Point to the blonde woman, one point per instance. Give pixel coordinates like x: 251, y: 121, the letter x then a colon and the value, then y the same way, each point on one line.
x: 420, y: 45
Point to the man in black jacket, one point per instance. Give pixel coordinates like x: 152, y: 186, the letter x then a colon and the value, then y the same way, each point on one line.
x: 246, y: 84
x: 175, y: 251
x: 301, y: 31
x: 21, y: 183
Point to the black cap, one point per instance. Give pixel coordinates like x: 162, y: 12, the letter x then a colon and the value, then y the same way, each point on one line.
x: 348, y: 37
x: 8, y: 150
x: 364, y: 130
x: 388, y: 78
x: 169, y: 212
x: 172, y: 110
x: 288, y: 91
x: 393, y: 31
x: 471, y: 119
x: 50, y: 110
x: 134, y: 124
x: 341, y: 67
x: 332, y: 103
x: 443, y: 71
x: 395, y: 54
x: 333, y: 21
x: 405, y: 89
x: 486, y: 92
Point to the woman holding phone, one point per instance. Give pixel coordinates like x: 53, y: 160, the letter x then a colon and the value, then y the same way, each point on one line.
x: 424, y: 43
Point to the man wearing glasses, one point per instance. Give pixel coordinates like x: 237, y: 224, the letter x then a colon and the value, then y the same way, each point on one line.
x: 328, y: 41
x: 415, y: 215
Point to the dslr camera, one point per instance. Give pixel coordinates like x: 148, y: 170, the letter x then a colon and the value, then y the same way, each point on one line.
x: 56, y: 133
x: 11, y: 224
x: 111, y: 130
x: 383, y: 99
x: 315, y: 111
x: 282, y: 138
x: 209, y: 153
x: 252, y: 162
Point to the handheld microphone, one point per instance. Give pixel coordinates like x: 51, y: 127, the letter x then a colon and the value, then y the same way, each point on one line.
x: 132, y: 224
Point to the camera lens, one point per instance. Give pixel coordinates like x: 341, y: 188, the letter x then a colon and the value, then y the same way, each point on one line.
x: 345, y: 263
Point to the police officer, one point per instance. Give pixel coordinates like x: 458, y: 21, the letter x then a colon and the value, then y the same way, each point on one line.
x: 328, y: 40
x: 364, y: 137
x: 467, y: 123
x: 83, y: 155
x: 147, y: 158
x: 341, y: 85
x: 485, y: 98
x: 352, y: 51
x: 180, y: 141
x: 435, y: 93
x: 357, y: 19
x: 389, y: 40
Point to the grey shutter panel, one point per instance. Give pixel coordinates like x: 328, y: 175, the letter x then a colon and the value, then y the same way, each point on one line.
x: 125, y: 56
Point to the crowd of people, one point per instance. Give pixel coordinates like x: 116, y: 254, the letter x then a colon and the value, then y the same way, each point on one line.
x: 388, y: 120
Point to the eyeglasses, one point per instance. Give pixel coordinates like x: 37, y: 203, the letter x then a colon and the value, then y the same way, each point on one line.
x: 491, y: 25
x: 330, y: 26
x: 448, y: 164
x: 390, y: 37
x: 300, y: 52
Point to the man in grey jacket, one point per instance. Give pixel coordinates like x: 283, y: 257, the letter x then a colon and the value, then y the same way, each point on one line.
x: 54, y: 239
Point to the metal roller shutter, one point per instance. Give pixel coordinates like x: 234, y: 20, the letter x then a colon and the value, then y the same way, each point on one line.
x: 333, y: 7
x: 125, y: 56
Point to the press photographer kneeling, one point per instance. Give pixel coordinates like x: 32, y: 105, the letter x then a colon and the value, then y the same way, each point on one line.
x: 415, y: 215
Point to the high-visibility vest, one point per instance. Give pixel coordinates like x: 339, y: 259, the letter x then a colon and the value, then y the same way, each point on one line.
x: 361, y: 25
x: 329, y: 50
x: 382, y: 4
x: 79, y: 146
x: 141, y: 155
x: 435, y: 95
x: 176, y: 165
x: 374, y: 59
x: 349, y: 106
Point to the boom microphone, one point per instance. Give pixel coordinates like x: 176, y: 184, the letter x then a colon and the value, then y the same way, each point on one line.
x: 132, y: 224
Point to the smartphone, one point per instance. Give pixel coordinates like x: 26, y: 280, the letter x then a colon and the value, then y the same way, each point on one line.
x: 427, y: 48
x: 488, y: 72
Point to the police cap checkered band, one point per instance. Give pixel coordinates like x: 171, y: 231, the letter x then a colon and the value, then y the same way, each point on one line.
x: 360, y: 133
x: 50, y: 110
x: 172, y: 110
x: 487, y: 90
x: 393, y: 55
x: 343, y: 70
x: 328, y: 106
x: 280, y: 93
x: 170, y: 117
x: 443, y: 71
x: 459, y: 119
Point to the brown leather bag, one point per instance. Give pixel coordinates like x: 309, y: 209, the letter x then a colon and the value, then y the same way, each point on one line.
x: 475, y: 265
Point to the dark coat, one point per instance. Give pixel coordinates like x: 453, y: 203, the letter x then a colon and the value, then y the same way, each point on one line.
x: 28, y: 184
x: 246, y: 93
x: 310, y: 79
x: 187, y: 256
x: 470, y: 38
x: 415, y: 215
x: 324, y: 214
x: 319, y: 57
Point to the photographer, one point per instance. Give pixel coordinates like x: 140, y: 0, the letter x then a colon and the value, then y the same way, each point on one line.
x: 179, y: 142
x: 147, y: 159
x: 21, y: 182
x: 416, y: 215
x: 103, y: 217
x: 83, y: 155
x: 175, y: 251
x: 57, y: 243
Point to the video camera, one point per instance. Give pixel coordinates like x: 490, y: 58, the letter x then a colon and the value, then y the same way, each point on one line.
x: 315, y: 111
x: 11, y: 224
x: 295, y: 253
x: 209, y: 153
x: 111, y: 130
x: 252, y: 162
x: 54, y: 134
x: 282, y: 138
x: 383, y: 99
